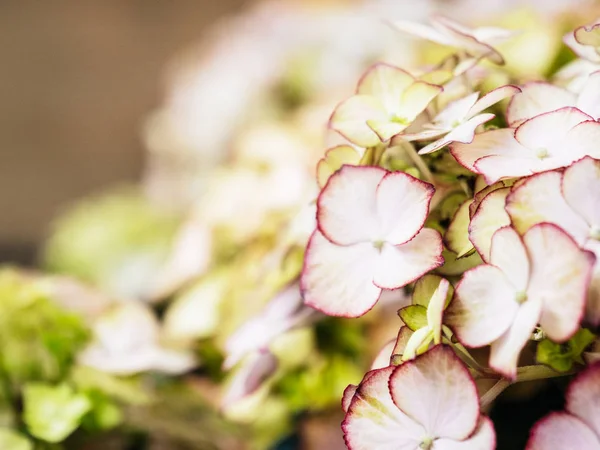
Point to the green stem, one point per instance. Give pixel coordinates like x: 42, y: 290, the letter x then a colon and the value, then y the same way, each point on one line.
x: 539, y: 372
x: 419, y: 163
x: 495, y: 391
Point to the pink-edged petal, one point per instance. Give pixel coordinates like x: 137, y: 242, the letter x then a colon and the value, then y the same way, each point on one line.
x: 537, y: 98
x: 562, y: 431
x: 484, y: 438
x: 435, y: 309
x: 402, y: 206
x: 457, y: 110
x: 351, y: 116
x: 334, y: 159
x: 583, y: 51
x: 374, y: 421
x: 589, y: 97
x: 415, y: 99
x: 422, y: 31
x: 386, y: 83
x: 483, y: 306
x: 539, y: 199
x: 493, y: 97
x: 489, y: 217
x: 549, y: 130
x: 404, y: 335
x: 508, y: 253
x: 347, y: 206
x: 495, y: 168
x: 386, y: 129
x: 347, y: 396
x: 582, y: 140
x: 437, y: 391
x: 505, y: 351
x: 400, y: 265
x: 493, y: 142
x: 560, y: 276
x: 464, y: 133
x: 383, y: 357
x: 338, y: 280
x: 423, y: 135
x: 583, y: 397
x: 581, y: 189
x: 457, y: 234
x: 588, y: 35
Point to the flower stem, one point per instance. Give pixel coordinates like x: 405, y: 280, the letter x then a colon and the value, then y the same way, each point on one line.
x: 419, y: 163
x: 495, y: 391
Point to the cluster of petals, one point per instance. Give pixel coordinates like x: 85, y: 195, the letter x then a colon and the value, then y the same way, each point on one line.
x: 578, y: 427
x: 571, y: 200
x: 387, y: 101
x: 539, y: 278
x: 369, y: 237
x: 429, y: 402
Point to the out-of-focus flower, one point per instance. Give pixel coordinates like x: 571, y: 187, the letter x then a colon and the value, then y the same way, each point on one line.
x: 545, y: 142
x: 428, y: 402
x: 579, y: 425
x: 126, y: 341
x: 359, y: 248
x: 387, y: 101
x: 522, y: 289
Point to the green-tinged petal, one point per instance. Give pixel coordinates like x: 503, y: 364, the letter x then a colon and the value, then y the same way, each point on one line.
x: 334, y: 159
x: 457, y: 235
x: 386, y: 83
x: 351, y: 116
x: 489, y: 218
x: 414, y: 316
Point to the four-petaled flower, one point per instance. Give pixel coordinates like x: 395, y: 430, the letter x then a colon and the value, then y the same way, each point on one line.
x: 387, y: 101
x: 542, y: 278
x: 427, y: 403
x: 369, y: 237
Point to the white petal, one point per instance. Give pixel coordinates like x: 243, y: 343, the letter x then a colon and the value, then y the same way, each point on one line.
x: 402, y: 264
x: 484, y: 438
x: 493, y: 97
x: 560, y: 277
x: 537, y: 98
x: 509, y: 255
x: 374, y: 421
x: 386, y: 83
x: 581, y: 188
x: 383, y: 357
x: 437, y: 391
x: 464, y: 133
x: 483, y: 306
x: 457, y: 110
x: 582, y: 141
x: 539, y: 199
x: 589, y: 98
x: 505, y: 351
x: 402, y: 206
x: 583, y: 397
x: 338, y: 280
x: 422, y: 31
x: 347, y: 206
x: 489, y: 217
x: 350, y: 119
x: 415, y: 99
x: 501, y: 167
x: 435, y: 309
x: 562, y: 431
x: 249, y: 377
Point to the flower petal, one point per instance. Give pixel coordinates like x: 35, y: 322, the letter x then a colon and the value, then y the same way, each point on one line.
x: 464, y: 133
x: 348, y: 395
x: 489, y: 217
x: 505, y: 350
x: 509, y: 255
x: 386, y: 129
x: 350, y: 119
x: 493, y: 97
x: 484, y: 438
x: 347, y: 206
x: 334, y: 159
x: 581, y: 189
x: 415, y: 99
x: 457, y: 110
x: 435, y: 309
x: 483, y: 306
x: 338, y: 280
x: 422, y: 31
x: 457, y: 234
x: 537, y: 98
x: 383, y: 357
x: 583, y: 397
x: 589, y: 97
x: 539, y: 199
x: 560, y: 276
x: 386, y: 83
x: 561, y: 431
x: 402, y: 264
x: 402, y: 206
x: 374, y: 421
x: 437, y: 391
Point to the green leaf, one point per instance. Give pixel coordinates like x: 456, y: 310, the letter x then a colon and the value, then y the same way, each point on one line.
x: 424, y: 289
x: 561, y: 357
x: 414, y: 316
x: 11, y: 440
x: 52, y: 413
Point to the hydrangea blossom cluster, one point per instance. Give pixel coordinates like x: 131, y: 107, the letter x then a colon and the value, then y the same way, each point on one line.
x: 483, y: 201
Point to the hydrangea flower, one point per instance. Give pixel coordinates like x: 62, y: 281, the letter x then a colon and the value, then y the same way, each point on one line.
x: 369, y: 237
x: 459, y: 120
x: 387, y: 101
x: 578, y: 427
x: 585, y: 41
x: 545, y: 142
x: 428, y: 403
x: 542, y: 278
x: 571, y: 200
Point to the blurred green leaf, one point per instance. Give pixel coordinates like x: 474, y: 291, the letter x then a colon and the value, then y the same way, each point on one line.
x: 11, y: 440
x: 52, y: 413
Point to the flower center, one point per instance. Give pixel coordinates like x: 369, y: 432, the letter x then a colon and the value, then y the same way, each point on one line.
x: 378, y: 245
x: 542, y: 153
x: 595, y: 232
x: 400, y: 120
x: 521, y: 297
x: 426, y: 444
